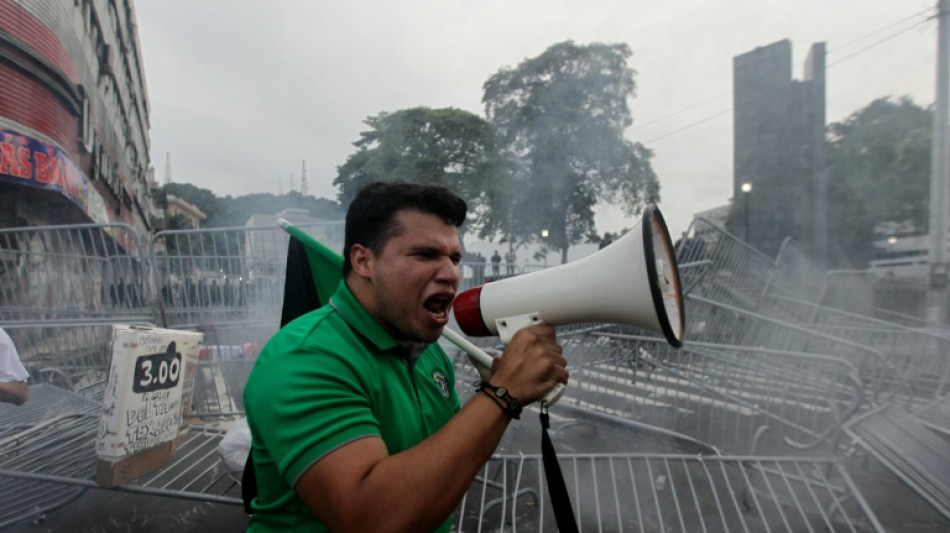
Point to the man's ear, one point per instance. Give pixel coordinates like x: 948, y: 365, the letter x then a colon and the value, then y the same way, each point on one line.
x: 361, y: 260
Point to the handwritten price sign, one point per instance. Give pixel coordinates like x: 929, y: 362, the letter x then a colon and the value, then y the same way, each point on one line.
x: 149, y: 389
x: 157, y: 371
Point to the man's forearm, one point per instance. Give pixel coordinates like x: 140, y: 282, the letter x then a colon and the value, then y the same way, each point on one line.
x: 414, y: 490
x: 439, y: 470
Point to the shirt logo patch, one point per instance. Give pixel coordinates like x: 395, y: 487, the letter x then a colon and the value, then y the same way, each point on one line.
x: 443, y: 383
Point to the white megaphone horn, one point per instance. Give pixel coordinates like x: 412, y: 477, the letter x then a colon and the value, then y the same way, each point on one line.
x: 634, y: 281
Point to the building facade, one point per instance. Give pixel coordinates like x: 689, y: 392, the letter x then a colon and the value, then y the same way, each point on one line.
x: 176, y: 207
x: 74, y: 115
x: 779, y: 154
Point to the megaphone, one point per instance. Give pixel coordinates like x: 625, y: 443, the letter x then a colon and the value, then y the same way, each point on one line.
x: 634, y: 282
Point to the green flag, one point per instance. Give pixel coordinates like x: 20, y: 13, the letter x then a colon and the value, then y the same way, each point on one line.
x: 313, y: 273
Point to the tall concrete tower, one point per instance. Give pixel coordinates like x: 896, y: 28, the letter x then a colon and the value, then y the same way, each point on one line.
x: 779, y: 160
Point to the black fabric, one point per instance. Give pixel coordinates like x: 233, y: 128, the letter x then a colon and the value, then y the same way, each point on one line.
x: 248, y: 484
x: 300, y: 297
x: 300, y: 293
x: 557, y: 490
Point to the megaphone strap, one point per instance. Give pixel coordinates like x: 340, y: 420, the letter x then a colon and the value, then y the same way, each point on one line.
x: 557, y: 489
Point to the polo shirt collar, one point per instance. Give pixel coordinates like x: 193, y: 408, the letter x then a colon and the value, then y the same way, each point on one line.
x: 360, y: 320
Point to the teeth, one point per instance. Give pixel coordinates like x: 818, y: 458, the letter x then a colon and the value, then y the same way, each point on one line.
x: 437, y: 306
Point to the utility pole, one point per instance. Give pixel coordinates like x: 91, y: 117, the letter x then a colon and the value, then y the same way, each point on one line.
x: 168, y: 168
x: 939, y: 168
x: 303, y: 178
x: 815, y: 74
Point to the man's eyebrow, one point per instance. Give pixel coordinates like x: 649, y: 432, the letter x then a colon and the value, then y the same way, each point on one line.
x: 422, y: 248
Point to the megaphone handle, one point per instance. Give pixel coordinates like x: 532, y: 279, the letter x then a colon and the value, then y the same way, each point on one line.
x: 553, y: 396
x: 481, y: 360
x: 507, y: 327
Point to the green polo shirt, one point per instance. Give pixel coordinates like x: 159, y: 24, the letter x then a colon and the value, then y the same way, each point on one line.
x: 326, y: 379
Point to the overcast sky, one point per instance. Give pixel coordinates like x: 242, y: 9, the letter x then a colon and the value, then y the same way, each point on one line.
x: 241, y: 92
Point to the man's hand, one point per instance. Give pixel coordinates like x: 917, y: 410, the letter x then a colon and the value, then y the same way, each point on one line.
x: 531, y: 365
x: 15, y: 392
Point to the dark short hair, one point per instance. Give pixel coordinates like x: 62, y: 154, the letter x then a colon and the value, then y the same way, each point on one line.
x: 371, y: 218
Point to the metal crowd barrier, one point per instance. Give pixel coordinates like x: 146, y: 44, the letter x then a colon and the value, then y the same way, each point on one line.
x: 717, y: 323
x: 656, y: 492
x: 740, y: 399
x: 80, y: 272
x: 70, y: 354
x: 52, y: 435
x: 908, y: 448
x: 920, y: 357
x: 795, y: 274
x: 903, y: 361
x: 705, y: 397
x: 935, y: 415
x: 720, y: 267
x: 791, y: 288
x: 746, y: 382
x: 48, y: 458
x: 220, y: 276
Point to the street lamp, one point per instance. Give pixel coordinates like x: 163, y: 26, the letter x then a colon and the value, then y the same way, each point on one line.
x: 544, y: 235
x: 746, y: 189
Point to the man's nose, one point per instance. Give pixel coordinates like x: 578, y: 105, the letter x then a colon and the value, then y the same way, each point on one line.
x: 449, y: 271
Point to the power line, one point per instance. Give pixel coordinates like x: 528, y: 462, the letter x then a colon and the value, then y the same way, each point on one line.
x: 688, y: 126
x: 876, y: 43
x: 828, y: 65
x: 680, y: 112
x: 884, y: 28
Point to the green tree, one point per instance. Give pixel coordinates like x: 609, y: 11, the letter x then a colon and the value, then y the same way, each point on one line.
x: 447, y: 147
x: 879, y: 172
x: 231, y: 211
x: 560, y: 120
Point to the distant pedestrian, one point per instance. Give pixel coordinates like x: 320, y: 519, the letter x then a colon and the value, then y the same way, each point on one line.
x: 479, y: 269
x: 510, y: 259
x: 13, y: 375
x: 495, y: 264
x: 120, y: 287
x: 133, y: 295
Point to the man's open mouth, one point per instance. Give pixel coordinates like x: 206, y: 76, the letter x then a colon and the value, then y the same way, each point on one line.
x: 438, y: 305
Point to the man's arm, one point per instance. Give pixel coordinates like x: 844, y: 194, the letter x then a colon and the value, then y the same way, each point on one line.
x: 359, y: 487
x: 15, y: 392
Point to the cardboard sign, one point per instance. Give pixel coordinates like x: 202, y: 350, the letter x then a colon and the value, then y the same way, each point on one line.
x: 147, y: 400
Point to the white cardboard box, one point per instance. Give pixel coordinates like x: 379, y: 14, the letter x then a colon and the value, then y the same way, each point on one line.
x: 148, y: 395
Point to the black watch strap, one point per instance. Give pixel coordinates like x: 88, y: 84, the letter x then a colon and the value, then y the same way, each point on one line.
x: 508, y: 403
